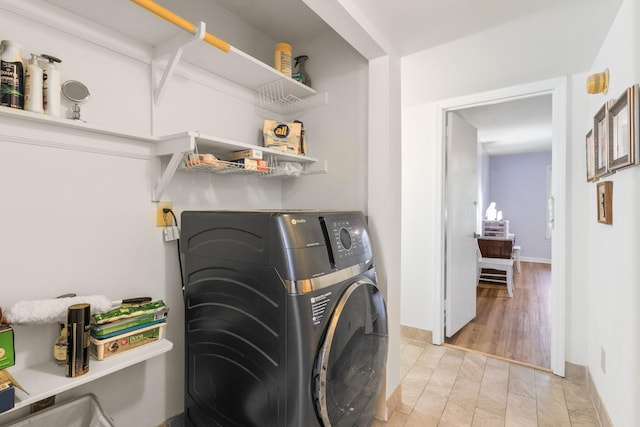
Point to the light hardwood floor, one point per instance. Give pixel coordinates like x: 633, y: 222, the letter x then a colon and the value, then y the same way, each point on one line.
x: 517, y: 328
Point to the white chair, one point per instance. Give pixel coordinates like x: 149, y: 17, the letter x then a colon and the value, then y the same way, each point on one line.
x: 500, y: 264
x: 516, y: 257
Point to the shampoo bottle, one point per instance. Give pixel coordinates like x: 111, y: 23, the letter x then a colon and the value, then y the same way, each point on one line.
x: 282, y: 58
x: 33, y: 80
x: 11, y: 75
x: 51, y: 86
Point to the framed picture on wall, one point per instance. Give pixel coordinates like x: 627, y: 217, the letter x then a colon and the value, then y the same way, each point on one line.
x: 622, y: 131
x: 600, y: 141
x: 605, y: 206
x: 591, y: 157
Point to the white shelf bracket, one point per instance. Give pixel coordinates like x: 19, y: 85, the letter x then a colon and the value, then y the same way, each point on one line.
x: 167, y: 175
x: 178, y: 147
x: 174, y: 48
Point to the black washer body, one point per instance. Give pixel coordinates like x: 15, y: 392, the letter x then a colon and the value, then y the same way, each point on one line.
x: 284, y: 323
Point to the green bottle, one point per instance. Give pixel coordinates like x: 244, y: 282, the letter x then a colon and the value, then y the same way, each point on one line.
x: 300, y: 74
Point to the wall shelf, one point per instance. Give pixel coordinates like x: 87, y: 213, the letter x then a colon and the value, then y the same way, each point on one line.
x: 179, y: 146
x: 48, y: 379
x: 14, y: 113
x: 278, y: 94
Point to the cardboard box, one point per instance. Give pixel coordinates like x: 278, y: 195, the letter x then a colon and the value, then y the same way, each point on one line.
x: 253, y: 164
x: 283, y: 136
x: 103, y: 349
x: 7, y: 396
x: 248, y: 154
x: 7, y: 353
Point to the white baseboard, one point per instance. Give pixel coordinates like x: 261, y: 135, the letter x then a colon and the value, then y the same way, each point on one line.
x: 538, y: 260
x: 581, y: 374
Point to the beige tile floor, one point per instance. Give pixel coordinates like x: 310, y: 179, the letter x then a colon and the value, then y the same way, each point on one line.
x: 444, y: 386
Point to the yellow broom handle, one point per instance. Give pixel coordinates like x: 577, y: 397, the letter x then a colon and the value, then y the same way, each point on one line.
x: 182, y: 23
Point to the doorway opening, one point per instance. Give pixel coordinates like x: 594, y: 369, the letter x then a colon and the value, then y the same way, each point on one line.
x: 555, y: 90
x: 514, y: 152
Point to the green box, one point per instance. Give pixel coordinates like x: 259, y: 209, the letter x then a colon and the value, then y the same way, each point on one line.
x: 7, y: 353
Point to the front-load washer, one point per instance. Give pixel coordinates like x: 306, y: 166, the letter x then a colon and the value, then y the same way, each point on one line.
x: 285, y: 325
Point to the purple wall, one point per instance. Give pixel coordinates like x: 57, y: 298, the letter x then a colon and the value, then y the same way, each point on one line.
x: 518, y: 185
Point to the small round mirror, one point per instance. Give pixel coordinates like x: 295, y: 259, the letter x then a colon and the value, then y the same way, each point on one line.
x: 77, y: 93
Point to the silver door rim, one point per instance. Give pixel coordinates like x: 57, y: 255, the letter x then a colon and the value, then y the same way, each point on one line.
x: 325, y: 351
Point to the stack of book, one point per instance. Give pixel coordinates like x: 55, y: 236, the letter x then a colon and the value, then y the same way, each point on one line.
x: 7, y: 393
x: 133, y: 324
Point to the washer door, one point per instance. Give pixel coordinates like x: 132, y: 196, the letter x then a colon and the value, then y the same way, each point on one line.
x: 350, y: 366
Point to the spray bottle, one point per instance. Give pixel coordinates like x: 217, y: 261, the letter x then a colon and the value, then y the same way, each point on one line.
x: 51, y: 86
x: 11, y: 75
x: 33, y: 81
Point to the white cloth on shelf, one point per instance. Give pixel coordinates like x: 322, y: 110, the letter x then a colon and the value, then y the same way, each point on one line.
x: 42, y: 312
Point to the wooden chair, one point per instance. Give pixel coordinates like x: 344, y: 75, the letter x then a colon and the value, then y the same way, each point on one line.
x: 492, y: 268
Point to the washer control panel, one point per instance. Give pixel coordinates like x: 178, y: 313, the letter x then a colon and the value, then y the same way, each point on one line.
x: 347, y: 239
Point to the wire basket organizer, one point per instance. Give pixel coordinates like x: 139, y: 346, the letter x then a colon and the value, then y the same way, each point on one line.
x: 273, y: 102
x: 195, y: 162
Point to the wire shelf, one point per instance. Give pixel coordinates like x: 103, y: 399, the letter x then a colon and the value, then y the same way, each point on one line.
x: 275, y: 103
x: 195, y: 162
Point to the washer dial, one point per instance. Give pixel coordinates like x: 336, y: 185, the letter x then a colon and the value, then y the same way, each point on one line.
x: 345, y: 238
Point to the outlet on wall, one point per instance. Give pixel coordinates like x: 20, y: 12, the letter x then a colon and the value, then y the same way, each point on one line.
x: 603, y: 360
x: 162, y: 219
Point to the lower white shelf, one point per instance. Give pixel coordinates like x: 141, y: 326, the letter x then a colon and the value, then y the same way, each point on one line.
x: 48, y: 379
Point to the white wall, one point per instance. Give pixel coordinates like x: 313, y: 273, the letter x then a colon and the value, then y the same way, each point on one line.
x: 78, y: 210
x: 340, y: 139
x: 578, y: 197
x: 612, y: 284
x: 519, y: 188
x: 422, y: 160
x: 384, y: 196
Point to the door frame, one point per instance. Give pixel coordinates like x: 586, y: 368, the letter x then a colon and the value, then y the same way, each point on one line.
x: 557, y: 88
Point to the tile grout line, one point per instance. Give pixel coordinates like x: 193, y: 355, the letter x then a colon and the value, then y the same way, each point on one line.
x: 475, y: 406
x: 424, y: 350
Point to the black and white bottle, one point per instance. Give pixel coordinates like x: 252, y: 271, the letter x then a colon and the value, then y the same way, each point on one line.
x: 51, y: 85
x: 11, y: 75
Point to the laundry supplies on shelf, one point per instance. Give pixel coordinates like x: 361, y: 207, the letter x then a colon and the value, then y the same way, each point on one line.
x: 283, y: 136
x: 126, y: 327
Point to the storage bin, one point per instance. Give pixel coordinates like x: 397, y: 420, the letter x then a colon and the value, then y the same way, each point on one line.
x: 103, y: 349
x: 84, y: 411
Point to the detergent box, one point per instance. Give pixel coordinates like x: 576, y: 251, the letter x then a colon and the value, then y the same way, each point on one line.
x: 7, y: 353
x: 283, y: 136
